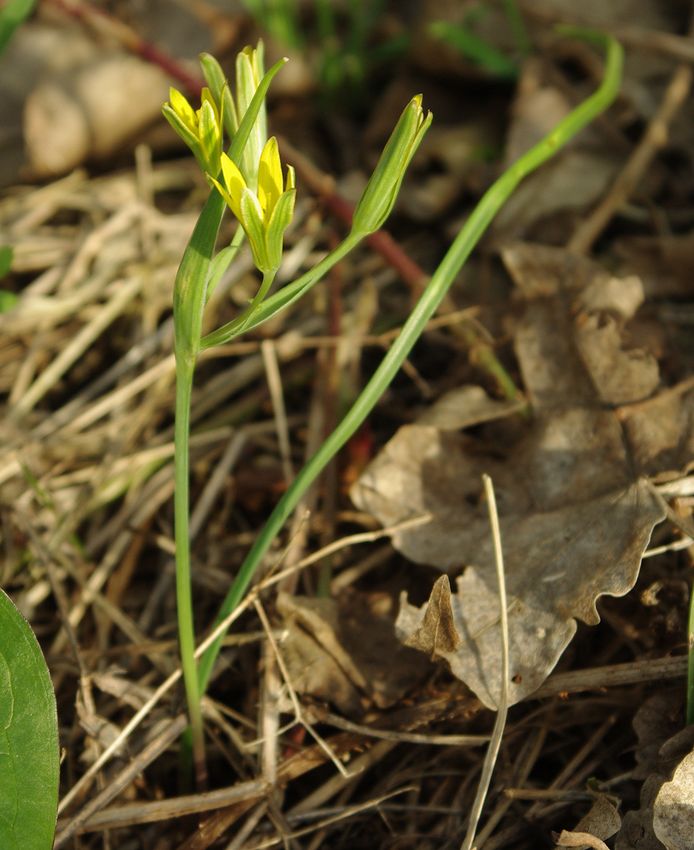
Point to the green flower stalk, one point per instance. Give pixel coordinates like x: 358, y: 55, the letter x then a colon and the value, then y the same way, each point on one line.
x: 197, y: 273
x: 380, y: 193
x: 265, y: 214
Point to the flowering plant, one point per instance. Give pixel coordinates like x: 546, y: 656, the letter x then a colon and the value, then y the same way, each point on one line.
x: 248, y: 179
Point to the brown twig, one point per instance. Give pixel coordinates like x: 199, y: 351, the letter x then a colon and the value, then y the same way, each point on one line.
x: 653, y: 140
x: 105, y: 24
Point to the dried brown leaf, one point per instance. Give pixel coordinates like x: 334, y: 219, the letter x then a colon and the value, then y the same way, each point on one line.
x: 575, y: 519
x: 673, y: 810
x: 621, y: 377
x: 601, y: 822
x: 345, y: 650
x: 466, y: 406
x: 637, y: 830
x: 580, y: 839
x: 436, y: 633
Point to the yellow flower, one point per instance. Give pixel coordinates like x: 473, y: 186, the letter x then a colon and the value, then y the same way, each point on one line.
x: 201, y: 130
x: 265, y: 214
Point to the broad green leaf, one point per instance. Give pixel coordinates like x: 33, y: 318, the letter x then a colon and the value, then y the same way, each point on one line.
x: 29, y: 757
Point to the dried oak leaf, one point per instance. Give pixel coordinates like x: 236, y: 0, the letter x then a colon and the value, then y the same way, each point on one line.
x: 575, y: 518
x: 466, y: 406
x: 344, y: 651
x: 673, y: 810
x: 658, y: 754
x: 601, y: 822
x: 435, y: 632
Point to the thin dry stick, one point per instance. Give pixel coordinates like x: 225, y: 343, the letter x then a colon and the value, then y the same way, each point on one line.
x: 363, y: 537
x: 527, y: 761
x: 274, y: 382
x: 151, y: 811
x: 336, y: 784
x: 166, y: 686
x: 574, y: 763
x: 653, y: 140
x: 528, y: 758
x: 298, y: 711
x: 404, y: 737
x: 125, y: 291
x: 151, y: 752
x: 139, y: 716
x: 502, y: 712
x: 298, y: 530
x: 612, y: 676
x: 678, y: 46
x: 269, y: 714
x: 347, y: 813
x: 250, y: 824
x: 216, y: 481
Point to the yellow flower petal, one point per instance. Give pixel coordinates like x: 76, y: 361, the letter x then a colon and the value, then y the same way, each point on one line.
x: 235, y: 184
x: 269, y: 177
x: 183, y: 109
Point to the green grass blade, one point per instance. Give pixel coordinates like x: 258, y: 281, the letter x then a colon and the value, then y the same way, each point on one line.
x: 425, y: 308
x: 12, y: 14
x: 476, y: 49
x: 29, y: 755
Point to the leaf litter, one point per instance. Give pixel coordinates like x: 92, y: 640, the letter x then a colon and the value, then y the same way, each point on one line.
x: 576, y: 509
x: 98, y: 445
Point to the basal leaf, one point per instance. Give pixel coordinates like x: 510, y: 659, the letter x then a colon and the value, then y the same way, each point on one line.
x: 29, y: 759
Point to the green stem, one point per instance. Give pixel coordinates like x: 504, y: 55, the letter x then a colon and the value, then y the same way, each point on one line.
x: 185, y: 369
x: 425, y: 308
x: 280, y: 300
x: 258, y: 298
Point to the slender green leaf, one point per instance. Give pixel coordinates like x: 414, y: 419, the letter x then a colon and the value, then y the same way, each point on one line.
x: 29, y: 756
x: 6, y: 257
x: 433, y: 295
x: 475, y: 49
x: 279, y: 221
x: 12, y: 14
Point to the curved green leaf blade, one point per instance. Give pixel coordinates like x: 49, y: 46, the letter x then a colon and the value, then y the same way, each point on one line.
x: 11, y: 16
x: 29, y: 757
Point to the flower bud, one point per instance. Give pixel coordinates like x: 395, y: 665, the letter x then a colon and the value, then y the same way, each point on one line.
x: 249, y: 73
x: 380, y: 193
x: 201, y: 130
